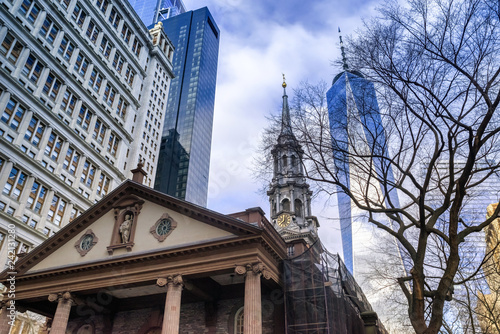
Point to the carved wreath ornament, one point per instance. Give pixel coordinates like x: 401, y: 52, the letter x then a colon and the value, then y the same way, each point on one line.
x: 86, y: 242
x: 163, y: 227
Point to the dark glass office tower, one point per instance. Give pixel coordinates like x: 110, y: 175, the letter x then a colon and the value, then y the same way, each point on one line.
x: 153, y: 11
x: 184, y: 160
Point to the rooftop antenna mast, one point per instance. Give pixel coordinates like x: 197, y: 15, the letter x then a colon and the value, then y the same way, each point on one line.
x: 344, y: 59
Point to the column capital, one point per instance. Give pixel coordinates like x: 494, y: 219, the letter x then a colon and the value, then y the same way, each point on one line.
x: 255, y: 268
x: 4, y: 303
x: 56, y: 297
x: 172, y: 279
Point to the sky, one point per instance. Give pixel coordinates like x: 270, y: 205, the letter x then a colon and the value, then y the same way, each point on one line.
x: 260, y: 40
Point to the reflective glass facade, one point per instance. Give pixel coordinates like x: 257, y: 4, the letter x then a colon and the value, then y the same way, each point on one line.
x: 184, y: 160
x: 353, y: 107
x: 153, y: 11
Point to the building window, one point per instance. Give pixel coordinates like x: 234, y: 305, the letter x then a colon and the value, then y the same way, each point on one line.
x: 30, y: 10
x: 125, y: 34
x: 56, y: 211
x: 109, y: 95
x: 49, y: 30
x: 105, y: 47
x: 11, y: 48
x: 88, y: 174
x: 99, y: 131
x: 78, y: 15
x: 118, y: 62
x: 102, y: 5
x: 74, y: 213
x: 2, y: 238
x: 129, y: 76
x: 95, y: 80
x: 15, y: 183
x: 113, y: 144
x: 37, y: 197
x: 114, y: 18
x: 136, y: 47
x: 35, y: 131
x: 68, y: 102
x: 81, y: 65
x: 71, y: 160
x: 33, y: 68
x: 103, y: 186
x: 92, y: 31
x: 54, y: 145
x: 66, y: 48
x: 13, y: 114
x: 65, y: 3
x: 298, y: 208
x: 84, y: 117
x: 121, y: 108
x: 52, y: 85
x: 238, y: 321
x: 285, y: 205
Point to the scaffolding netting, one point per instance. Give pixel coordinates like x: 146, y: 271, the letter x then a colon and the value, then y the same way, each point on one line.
x: 321, y: 296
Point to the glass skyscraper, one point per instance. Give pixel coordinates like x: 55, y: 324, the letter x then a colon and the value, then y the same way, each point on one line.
x: 356, y: 126
x: 184, y: 161
x: 358, y: 138
x: 151, y: 12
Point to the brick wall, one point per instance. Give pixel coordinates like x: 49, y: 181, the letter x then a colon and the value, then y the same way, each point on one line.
x: 130, y: 322
x: 193, y: 319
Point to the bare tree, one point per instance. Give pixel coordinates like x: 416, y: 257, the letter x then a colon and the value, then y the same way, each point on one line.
x: 435, y: 66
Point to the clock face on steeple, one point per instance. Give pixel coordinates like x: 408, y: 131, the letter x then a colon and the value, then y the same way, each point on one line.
x: 283, y: 220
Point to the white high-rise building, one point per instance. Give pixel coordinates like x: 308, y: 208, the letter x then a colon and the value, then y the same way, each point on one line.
x: 83, y: 89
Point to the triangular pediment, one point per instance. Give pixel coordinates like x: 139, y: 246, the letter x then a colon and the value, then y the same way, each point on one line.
x: 133, y: 221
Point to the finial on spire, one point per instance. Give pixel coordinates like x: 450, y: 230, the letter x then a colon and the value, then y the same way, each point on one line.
x: 286, y: 127
x: 344, y: 59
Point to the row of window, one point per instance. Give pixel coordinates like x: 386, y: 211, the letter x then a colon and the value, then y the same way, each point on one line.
x: 30, y: 10
x: 17, y: 181
x: 10, y: 48
x: 14, y: 113
x: 15, y: 185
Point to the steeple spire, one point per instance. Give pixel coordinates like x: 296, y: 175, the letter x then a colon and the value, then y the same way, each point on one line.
x: 289, y: 193
x: 344, y: 59
x: 286, y: 125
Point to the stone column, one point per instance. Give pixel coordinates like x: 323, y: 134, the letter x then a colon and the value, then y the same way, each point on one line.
x: 252, y: 320
x: 64, y: 303
x: 172, y: 313
x: 4, y: 318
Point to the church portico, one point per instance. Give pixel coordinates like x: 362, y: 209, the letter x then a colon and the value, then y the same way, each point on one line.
x: 152, y: 283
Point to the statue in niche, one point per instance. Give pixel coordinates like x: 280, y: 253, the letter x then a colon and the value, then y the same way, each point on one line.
x: 125, y: 228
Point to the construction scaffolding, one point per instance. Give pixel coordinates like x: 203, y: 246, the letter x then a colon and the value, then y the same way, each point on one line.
x: 321, y: 296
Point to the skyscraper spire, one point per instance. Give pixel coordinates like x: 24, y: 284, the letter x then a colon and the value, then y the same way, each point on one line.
x: 344, y: 59
x: 286, y: 126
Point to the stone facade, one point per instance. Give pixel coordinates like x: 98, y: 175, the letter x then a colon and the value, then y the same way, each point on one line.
x: 83, y: 87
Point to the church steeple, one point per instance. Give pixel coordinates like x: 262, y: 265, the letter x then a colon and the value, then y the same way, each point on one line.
x: 289, y: 194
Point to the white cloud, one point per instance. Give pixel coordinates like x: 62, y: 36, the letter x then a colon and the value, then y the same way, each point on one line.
x: 259, y: 41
